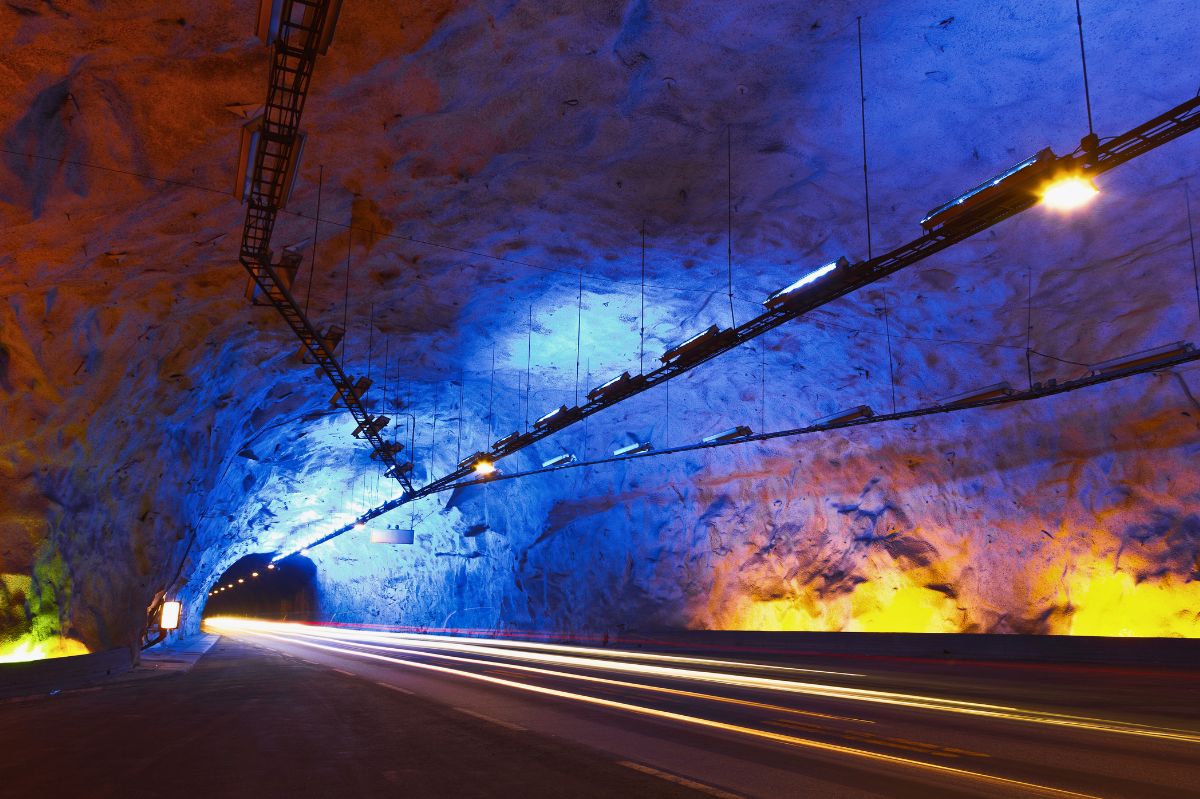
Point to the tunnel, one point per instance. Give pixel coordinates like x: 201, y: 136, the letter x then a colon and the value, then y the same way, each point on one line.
x: 599, y: 398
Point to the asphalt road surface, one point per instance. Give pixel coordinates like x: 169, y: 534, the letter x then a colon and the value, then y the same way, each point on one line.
x: 761, y: 727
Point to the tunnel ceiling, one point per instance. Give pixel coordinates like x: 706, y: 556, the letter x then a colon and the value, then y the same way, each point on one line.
x: 492, y: 158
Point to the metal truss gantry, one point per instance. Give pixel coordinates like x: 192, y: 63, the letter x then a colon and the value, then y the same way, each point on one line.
x: 302, y: 28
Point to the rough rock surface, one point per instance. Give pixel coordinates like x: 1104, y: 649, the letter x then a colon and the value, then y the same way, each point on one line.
x: 497, y: 162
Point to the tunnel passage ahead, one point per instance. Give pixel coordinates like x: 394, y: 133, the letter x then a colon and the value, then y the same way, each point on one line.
x: 254, y: 586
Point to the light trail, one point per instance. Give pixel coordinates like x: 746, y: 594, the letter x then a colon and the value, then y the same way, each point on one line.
x: 433, y: 646
x: 271, y: 631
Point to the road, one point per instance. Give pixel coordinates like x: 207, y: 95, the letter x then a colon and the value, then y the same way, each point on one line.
x: 757, y: 727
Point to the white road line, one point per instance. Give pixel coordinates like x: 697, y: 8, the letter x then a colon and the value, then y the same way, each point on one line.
x: 697, y: 786
x: 394, y: 688
x: 506, y: 724
x: 342, y: 671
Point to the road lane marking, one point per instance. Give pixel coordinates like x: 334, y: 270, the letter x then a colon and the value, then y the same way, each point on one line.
x: 684, y: 781
x: 508, y: 725
x: 343, y: 671
x: 700, y: 721
x: 395, y: 688
x: 880, y: 740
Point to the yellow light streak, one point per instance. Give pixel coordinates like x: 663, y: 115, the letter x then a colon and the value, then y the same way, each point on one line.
x: 423, y: 644
x: 792, y: 740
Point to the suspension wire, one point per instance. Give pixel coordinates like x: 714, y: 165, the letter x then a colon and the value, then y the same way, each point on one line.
x: 462, y: 382
x: 346, y: 301
x: 642, y: 338
x: 1192, y: 239
x: 578, y: 335
x: 312, y: 267
x: 1029, y: 326
x: 862, y: 94
x: 371, y: 343
x: 491, y: 395
x: 432, y: 433
x: 729, y: 220
x: 528, y: 362
x: 762, y: 395
x: 1087, y: 92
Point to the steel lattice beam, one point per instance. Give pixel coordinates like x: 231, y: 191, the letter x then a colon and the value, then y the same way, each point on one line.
x: 294, y: 53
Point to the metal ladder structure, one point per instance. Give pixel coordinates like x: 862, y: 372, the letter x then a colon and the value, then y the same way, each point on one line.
x: 294, y: 52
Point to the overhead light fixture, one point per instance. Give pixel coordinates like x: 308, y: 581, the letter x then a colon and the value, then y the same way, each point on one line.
x: 514, y: 440
x: 370, y: 426
x: 978, y: 395
x: 470, y: 461
x: 250, y: 142
x: 792, y: 292
x: 732, y: 434
x: 270, y: 565
x: 1145, y: 357
x: 619, y: 386
x: 1020, y: 178
x: 560, y: 460
x: 331, y: 338
x: 270, y: 21
x: 1069, y: 192
x: 485, y: 468
x: 546, y: 419
x: 240, y: 580
x: 633, y: 449
x: 848, y: 415
x: 253, y: 574
x: 698, y: 345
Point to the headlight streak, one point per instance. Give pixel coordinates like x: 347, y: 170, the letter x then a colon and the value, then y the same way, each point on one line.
x: 791, y: 740
x: 405, y: 642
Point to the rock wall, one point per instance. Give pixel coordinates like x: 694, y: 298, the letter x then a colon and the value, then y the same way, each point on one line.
x: 487, y: 172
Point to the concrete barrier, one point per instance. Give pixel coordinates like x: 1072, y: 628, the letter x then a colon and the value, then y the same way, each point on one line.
x: 45, y: 677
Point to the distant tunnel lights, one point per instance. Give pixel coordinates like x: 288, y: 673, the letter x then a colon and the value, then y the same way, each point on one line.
x: 1069, y: 193
x: 785, y: 295
x: 169, y: 618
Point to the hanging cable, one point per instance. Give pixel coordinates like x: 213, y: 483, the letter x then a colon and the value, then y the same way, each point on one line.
x: 642, y: 336
x: 346, y: 300
x: 462, y: 382
x: 371, y: 344
x: 491, y: 396
x: 1029, y: 326
x: 862, y: 95
x: 528, y: 362
x: 1087, y: 92
x: 578, y: 334
x: 1192, y: 239
x: 729, y: 220
x: 312, y: 267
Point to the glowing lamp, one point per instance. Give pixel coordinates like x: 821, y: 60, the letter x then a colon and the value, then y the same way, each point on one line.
x: 240, y: 580
x: 485, y: 468
x: 169, y: 618
x: 1069, y: 193
x: 1019, y: 179
x: 253, y: 574
x: 633, y: 449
